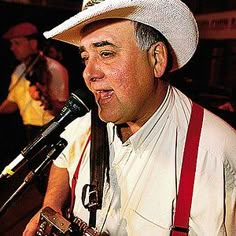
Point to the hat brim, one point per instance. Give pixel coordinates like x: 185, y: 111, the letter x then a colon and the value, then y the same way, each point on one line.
x: 170, y: 17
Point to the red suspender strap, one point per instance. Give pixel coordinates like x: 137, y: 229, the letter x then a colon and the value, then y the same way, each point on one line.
x: 76, y: 174
x: 184, y: 198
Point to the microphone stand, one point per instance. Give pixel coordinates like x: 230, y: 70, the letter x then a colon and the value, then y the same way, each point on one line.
x: 53, y: 153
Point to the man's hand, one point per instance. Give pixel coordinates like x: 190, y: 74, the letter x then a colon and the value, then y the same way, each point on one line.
x: 39, y: 92
x: 226, y: 107
x: 34, y: 92
x: 32, y: 226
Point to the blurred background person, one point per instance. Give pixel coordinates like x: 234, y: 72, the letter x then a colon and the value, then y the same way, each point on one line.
x: 39, y: 84
x: 38, y: 89
x: 231, y: 104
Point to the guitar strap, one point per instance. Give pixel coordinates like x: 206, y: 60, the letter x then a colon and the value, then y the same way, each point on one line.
x: 99, y: 166
x: 184, y: 197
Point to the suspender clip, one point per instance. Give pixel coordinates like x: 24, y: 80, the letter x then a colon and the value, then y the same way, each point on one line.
x: 179, y: 229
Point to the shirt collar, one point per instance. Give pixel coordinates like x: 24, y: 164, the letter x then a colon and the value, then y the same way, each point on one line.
x: 157, y: 120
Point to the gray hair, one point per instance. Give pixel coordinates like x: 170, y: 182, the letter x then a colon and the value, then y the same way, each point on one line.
x: 146, y: 36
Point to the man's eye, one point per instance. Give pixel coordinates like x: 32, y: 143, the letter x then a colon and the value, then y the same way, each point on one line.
x: 106, y: 54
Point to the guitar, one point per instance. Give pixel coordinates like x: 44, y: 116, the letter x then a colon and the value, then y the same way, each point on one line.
x: 51, y: 223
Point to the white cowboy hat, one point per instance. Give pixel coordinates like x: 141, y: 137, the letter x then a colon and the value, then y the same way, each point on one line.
x: 170, y: 17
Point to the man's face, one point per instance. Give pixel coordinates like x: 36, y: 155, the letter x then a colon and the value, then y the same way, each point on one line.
x: 119, y: 74
x: 22, y: 48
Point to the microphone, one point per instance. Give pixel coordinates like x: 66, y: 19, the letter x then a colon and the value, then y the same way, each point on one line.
x: 79, y: 103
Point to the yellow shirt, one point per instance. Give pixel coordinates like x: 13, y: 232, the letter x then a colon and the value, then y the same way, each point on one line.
x: 31, y: 111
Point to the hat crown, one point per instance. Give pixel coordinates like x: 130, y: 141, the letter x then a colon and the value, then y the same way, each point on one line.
x: 21, y: 30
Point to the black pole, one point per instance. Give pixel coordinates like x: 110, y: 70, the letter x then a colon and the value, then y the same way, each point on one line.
x: 55, y: 150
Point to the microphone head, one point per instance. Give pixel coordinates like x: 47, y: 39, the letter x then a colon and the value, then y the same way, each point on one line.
x: 80, y: 101
x: 85, y: 96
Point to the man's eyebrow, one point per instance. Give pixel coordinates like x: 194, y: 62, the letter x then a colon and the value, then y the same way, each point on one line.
x: 97, y: 45
x: 103, y: 43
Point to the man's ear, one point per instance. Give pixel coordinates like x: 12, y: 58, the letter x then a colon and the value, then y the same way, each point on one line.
x: 158, y: 53
x: 34, y: 44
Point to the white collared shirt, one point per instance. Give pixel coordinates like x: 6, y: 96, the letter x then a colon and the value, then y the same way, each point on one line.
x: 144, y: 173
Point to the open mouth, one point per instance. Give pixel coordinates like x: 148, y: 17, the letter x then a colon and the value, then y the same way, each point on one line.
x: 104, y: 96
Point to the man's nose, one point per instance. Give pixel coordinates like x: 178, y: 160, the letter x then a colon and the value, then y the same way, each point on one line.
x: 92, y: 71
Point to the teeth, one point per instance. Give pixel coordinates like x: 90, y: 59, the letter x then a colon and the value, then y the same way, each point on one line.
x: 105, y: 93
x: 108, y: 96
